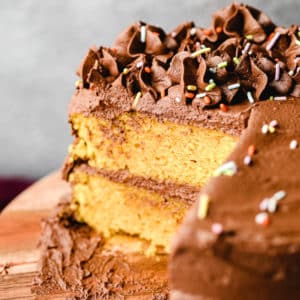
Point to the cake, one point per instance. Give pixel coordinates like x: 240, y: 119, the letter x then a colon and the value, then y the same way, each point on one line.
x: 154, y: 117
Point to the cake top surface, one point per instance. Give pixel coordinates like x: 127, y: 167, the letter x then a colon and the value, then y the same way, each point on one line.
x: 242, y: 57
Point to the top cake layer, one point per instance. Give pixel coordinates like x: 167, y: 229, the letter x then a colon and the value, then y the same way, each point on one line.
x: 192, y: 73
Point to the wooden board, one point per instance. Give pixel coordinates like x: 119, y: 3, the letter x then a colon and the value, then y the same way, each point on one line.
x: 19, y: 235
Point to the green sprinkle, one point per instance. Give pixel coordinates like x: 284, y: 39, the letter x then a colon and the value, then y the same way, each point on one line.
x: 200, y: 51
x: 298, y: 33
x: 222, y: 64
x: 227, y: 169
x: 297, y: 42
x: 271, y: 98
x: 210, y: 87
x: 191, y: 88
x: 236, y: 60
x: 249, y: 37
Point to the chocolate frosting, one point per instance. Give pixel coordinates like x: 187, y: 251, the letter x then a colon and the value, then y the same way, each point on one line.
x: 162, y: 66
x: 246, y: 259
x: 76, y: 264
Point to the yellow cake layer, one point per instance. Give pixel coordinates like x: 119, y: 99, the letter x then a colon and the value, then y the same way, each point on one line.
x: 146, y: 147
x: 113, y: 208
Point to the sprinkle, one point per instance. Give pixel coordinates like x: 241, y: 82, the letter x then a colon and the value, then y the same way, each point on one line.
x: 298, y: 33
x: 234, y: 86
x: 271, y: 129
x: 273, y: 41
x: 249, y: 37
x: 279, y: 195
x: 263, y: 205
x: 262, y: 219
x: 207, y: 100
x: 212, y: 70
x: 228, y: 169
x: 250, y: 97
x: 296, y: 59
x: 217, y: 228
x: 281, y: 98
x: 203, y: 46
x: 265, y: 129
x: 251, y: 150
x: 136, y: 99
x: 247, y: 48
x: 291, y: 72
x: 222, y: 64
x: 219, y: 29
x: 143, y: 34
x: 277, y: 72
x: 236, y: 60
x: 272, y: 205
x: 297, y: 42
x: 273, y: 123
x: 78, y: 83
x: 173, y: 34
x: 271, y: 98
x: 247, y: 160
x: 210, y: 80
x: 125, y: 71
x: 200, y: 51
x: 210, y: 87
x: 191, y: 88
x: 223, y: 107
x: 207, y: 31
x: 200, y: 95
x: 177, y: 99
x: 139, y: 64
x: 293, y: 144
x: 193, y: 31
x: 147, y: 69
x: 189, y: 95
x: 203, y: 206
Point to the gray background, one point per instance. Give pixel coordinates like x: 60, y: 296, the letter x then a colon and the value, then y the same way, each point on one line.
x: 41, y: 45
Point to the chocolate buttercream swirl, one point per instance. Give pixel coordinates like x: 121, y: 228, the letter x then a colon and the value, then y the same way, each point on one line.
x: 243, y: 55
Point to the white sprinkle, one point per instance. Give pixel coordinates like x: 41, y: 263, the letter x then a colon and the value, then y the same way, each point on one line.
x: 250, y: 97
x: 263, y: 205
x: 291, y: 72
x: 280, y: 98
x: 200, y: 95
x: 217, y: 228
x: 247, y: 160
x: 211, y: 80
x: 277, y: 71
x: 272, y: 205
x: 233, y: 86
x: 265, y: 129
x: 273, y: 123
x: 273, y: 41
x: 177, y: 99
x: 293, y: 144
x: 203, y: 46
x: 212, y: 70
x: 261, y: 218
x: 173, y: 34
x: 279, y: 195
x: 139, y: 64
x: 143, y: 34
x: 193, y: 31
x: 247, y: 48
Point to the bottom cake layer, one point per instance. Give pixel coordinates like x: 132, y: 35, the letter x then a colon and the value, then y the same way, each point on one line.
x: 112, y: 208
x: 76, y: 262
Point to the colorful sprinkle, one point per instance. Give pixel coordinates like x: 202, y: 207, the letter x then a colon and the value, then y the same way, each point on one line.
x: 189, y: 95
x: 125, y: 71
x: 139, y: 64
x: 247, y: 48
x: 293, y: 144
x: 207, y: 100
x: 274, y: 123
x: 280, y: 98
x: 193, y: 31
x: 279, y: 195
x: 212, y: 70
x: 271, y: 129
x: 228, y: 169
x: 291, y: 73
x: 143, y: 34
x: 234, y: 86
x: 200, y: 51
x: 78, y: 83
x: 247, y: 160
x: 250, y: 97
x: 219, y: 29
x: 236, y: 60
x: 262, y: 219
x: 249, y: 37
x: 203, y: 206
x: 200, y: 95
x: 277, y: 71
x: 298, y: 42
x: 273, y: 41
x: 177, y: 99
x: 263, y: 205
x: 251, y: 150
x: 271, y: 98
x: 265, y: 129
x: 191, y: 88
x: 210, y: 86
x: 298, y: 33
x: 217, y: 228
x: 147, y: 69
x: 136, y: 99
x: 223, y: 107
x: 222, y: 64
x: 272, y: 205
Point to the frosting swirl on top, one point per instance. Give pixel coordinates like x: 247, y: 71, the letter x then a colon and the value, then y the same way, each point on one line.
x: 243, y: 55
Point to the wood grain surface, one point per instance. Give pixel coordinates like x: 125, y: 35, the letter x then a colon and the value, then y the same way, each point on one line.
x: 19, y: 235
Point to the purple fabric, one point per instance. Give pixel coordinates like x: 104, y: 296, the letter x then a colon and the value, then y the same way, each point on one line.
x: 10, y: 188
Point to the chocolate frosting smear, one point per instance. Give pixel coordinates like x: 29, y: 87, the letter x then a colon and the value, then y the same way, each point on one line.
x: 242, y: 56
